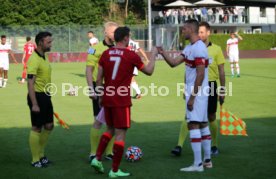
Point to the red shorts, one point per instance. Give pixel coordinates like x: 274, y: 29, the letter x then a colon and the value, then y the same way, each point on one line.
x: 117, y: 117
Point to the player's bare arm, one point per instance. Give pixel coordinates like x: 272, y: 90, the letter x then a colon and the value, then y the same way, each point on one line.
x: 198, y: 82
x: 23, y: 57
x: 12, y: 55
x: 173, y: 62
x: 31, y: 91
x: 149, y: 68
x: 239, y: 37
x: 146, y: 60
x: 89, y: 78
x: 222, y: 82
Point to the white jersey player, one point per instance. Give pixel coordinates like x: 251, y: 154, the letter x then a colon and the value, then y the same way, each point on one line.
x: 5, y: 50
x: 195, y: 55
x: 134, y: 46
x: 92, y: 39
x: 233, y: 53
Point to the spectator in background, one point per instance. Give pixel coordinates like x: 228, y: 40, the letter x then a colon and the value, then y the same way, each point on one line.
x: 210, y: 15
x: 197, y: 13
x: 221, y: 15
x: 204, y: 14
x: 235, y: 15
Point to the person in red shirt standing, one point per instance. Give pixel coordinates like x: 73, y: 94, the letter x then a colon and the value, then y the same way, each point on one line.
x: 28, y: 50
x: 116, y: 70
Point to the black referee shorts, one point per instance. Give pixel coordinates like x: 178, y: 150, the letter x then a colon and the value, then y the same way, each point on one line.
x: 213, y: 98
x: 96, y: 107
x: 45, y: 115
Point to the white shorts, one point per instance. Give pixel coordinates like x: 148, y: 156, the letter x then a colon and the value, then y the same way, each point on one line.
x: 135, y: 71
x: 199, y: 112
x: 4, y: 63
x: 234, y: 57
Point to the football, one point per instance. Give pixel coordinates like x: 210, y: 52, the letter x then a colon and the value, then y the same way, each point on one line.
x: 133, y: 154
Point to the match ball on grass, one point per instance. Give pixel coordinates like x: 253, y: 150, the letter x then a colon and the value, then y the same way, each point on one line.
x: 133, y: 154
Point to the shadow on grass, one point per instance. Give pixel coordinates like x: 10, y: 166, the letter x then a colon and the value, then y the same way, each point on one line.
x: 240, y: 157
x: 79, y: 75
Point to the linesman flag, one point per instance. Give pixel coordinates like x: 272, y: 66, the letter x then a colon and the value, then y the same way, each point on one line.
x: 230, y: 124
x: 60, y: 121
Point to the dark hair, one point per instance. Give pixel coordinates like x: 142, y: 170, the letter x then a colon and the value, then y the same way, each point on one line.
x: 121, y: 33
x: 90, y: 32
x: 40, y: 36
x: 28, y: 38
x: 3, y: 36
x: 194, y: 24
x: 205, y: 24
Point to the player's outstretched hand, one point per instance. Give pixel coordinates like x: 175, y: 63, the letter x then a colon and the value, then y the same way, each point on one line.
x: 160, y: 50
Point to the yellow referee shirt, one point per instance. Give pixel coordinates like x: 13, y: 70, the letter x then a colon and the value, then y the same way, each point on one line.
x: 93, y: 59
x: 217, y: 58
x: 40, y: 67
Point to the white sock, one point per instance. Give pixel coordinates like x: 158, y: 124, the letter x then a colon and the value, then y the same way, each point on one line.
x: 232, y: 69
x: 135, y: 86
x: 23, y: 80
x: 5, y: 82
x: 206, y: 142
x: 238, y: 68
x: 195, y: 137
x: 1, y: 81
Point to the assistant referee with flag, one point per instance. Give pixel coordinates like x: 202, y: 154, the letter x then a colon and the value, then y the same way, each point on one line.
x: 39, y: 99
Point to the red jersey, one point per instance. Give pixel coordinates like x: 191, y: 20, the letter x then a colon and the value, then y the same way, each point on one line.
x: 28, y: 50
x: 118, y: 65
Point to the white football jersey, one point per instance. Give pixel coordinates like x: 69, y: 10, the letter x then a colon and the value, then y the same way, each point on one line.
x: 93, y: 41
x: 4, y: 51
x: 233, y: 45
x: 133, y: 46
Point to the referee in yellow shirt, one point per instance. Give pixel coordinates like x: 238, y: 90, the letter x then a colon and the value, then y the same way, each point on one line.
x: 215, y: 72
x: 39, y: 99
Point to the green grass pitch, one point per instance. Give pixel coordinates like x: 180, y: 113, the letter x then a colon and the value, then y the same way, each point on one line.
x: 155, y: 127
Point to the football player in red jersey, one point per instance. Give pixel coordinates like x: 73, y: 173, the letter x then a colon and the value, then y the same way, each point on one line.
x: 116, y: 70
x: 28, y: 50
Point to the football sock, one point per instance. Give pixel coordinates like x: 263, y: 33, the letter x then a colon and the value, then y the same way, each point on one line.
x: 118, y: 150
x: 206, y: 142
x: 195, y: 137
x: 5, y: 82
x: 135, y: 86
x: 24, y: 74
x: 214, y: 132
x: 34, y: 145
x: 44, y: 136
x: 1, y: 81
x: 110, y: 146
x: 238, y: 68
x: 182, y: 133
x: 106, y: 137
x: 232, y: 69
x: 94, y: 140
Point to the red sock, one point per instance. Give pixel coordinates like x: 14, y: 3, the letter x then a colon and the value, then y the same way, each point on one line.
x: 24, y: 74
x: 102, y: 145
x: 118, y: 150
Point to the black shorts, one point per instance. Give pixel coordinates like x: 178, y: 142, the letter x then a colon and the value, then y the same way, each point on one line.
x: 96, y: 107
x: 45, y: 115
x: 213, y: 98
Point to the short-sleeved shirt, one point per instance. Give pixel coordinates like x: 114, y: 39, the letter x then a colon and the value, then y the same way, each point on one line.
x: 133, y: 46
x: 93, y: 59
x: 4, y: 51
x: 118, y: 65
x: 233, y: 45
x: 216, y: 58
x: 40, y: 67
x: 28, y: 50
x: 195, y: 54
